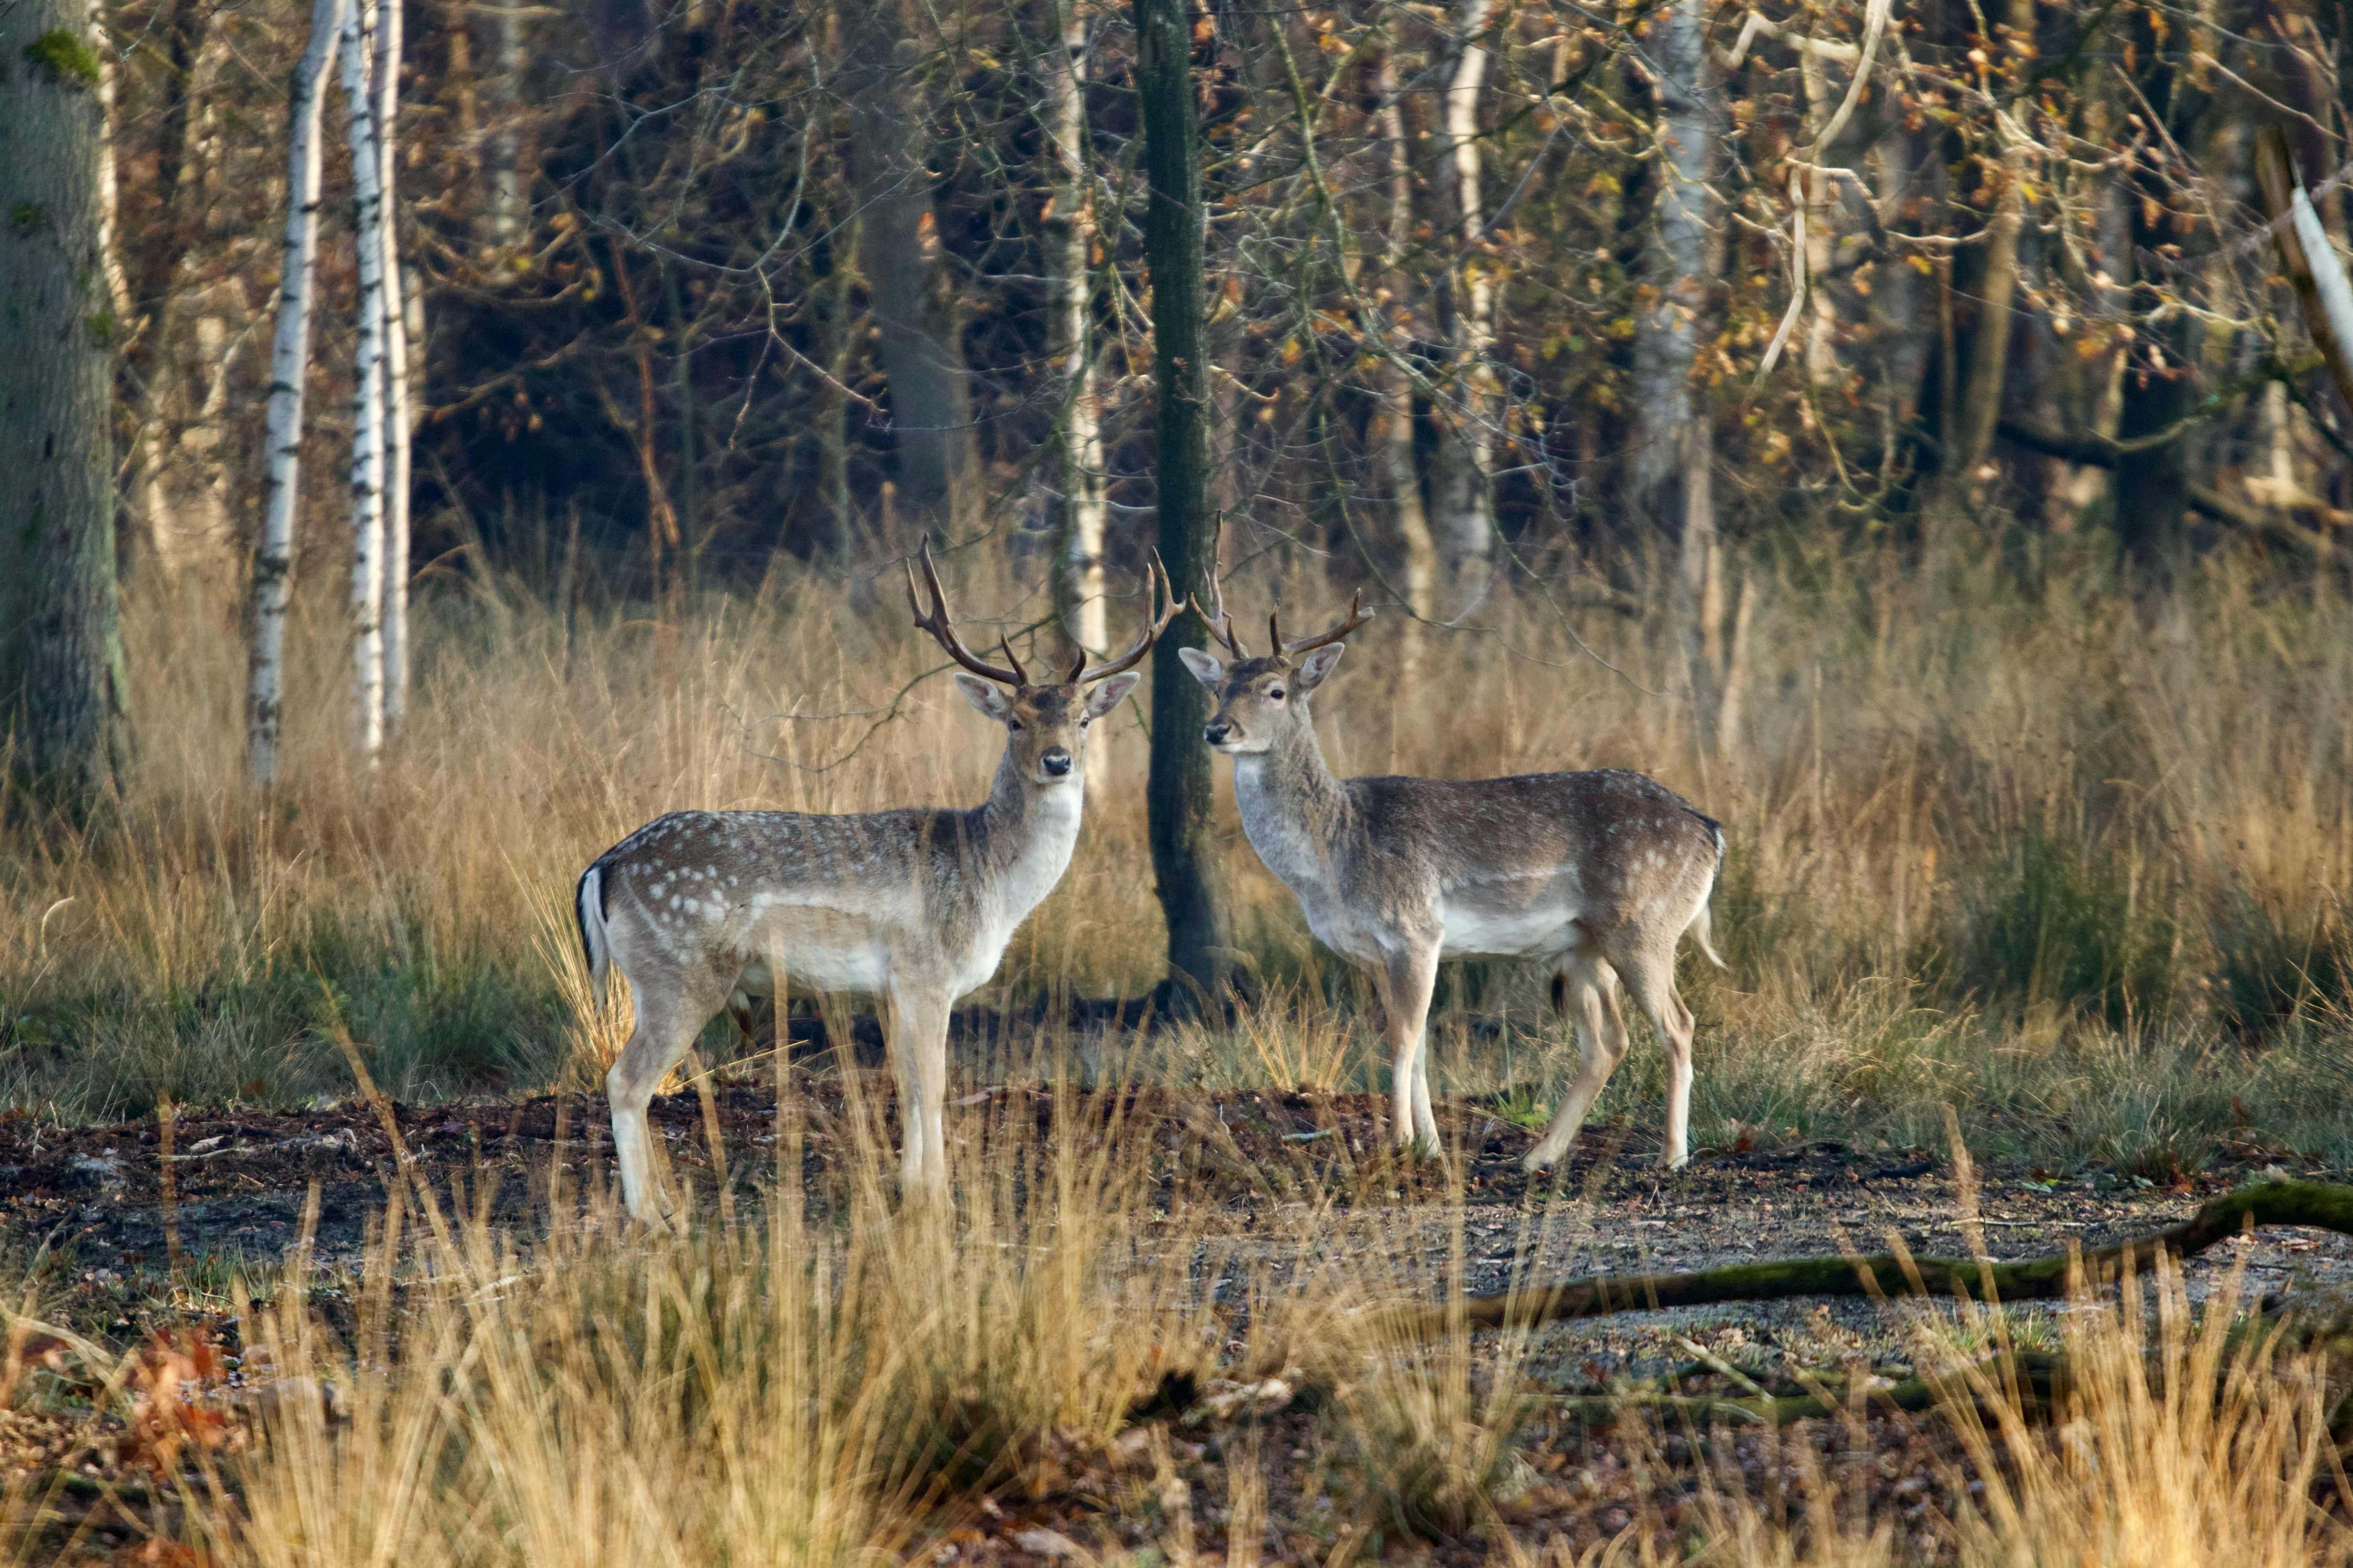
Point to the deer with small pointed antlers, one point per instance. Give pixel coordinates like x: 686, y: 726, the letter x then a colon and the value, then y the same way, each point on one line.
x: 913, y: 908
x: 1595, y: 874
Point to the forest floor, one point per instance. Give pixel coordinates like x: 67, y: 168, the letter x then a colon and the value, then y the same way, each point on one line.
x: 1259, y: 1178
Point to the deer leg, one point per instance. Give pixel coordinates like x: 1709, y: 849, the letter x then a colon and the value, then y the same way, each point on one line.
x: 740, y: 1014
x: 668, y: 1017
x: 1425, y: 1121
x: 919, y: 1055
x: 1650, y: 973
x: 1591, y: 1001
x: 1405, y: 982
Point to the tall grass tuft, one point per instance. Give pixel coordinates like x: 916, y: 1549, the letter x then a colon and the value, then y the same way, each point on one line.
x: 2038, y: 822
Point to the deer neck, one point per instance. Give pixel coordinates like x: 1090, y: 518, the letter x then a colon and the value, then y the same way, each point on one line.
x: 1293, y: 811
x: 1023, y: 834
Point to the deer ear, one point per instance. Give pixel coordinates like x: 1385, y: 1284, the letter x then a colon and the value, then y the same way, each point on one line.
x: 1111, y: 694
x: 1317, y: 665
x: 1205, y: 666
x: 984, y: 695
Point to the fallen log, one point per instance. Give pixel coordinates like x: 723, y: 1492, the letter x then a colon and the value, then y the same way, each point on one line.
x: 2314, y: 1204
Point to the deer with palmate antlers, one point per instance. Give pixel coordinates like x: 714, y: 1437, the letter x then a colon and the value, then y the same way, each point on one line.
x: 913, y: 908
x: 1597, y: 874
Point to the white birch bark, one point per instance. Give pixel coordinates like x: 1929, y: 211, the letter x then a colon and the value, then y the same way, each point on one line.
x: 398, y: 422
x: 367, y: 394
x: 1069, y: 243
x: 1666, y: 336
x: 1466, y: 316
x: 290, y: 361
x: 506, y: 136
x: 110, y: 197
x: 1419, y: 578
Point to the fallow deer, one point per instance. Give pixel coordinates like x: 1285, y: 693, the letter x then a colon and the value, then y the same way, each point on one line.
x: 913, y: 908
x: 1596, y: 873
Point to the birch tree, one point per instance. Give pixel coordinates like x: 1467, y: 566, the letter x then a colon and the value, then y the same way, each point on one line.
x: 61, y: 671
x: 1069, y: 243
x: 1417, y: 550
x: 1465, y: 301
x: 508, y: 207
x: 1666, y: 333
x: 367, y: 394
x: 398, y: 419
x: 290, y: 364
x: 1674, y: 454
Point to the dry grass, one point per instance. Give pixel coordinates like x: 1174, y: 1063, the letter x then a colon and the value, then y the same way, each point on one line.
x: 807, y: 1388
x: 2074, y: 860
x: 830, y: 1385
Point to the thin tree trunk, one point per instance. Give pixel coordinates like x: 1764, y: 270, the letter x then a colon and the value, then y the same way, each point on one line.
x: 837, y: 330
x: 1674, y: 443
x: 290, y: 364
x: 110, y: 202
x: 1069, y: 243
x: 398, y: 422
x: 1901, y: 336
x: 368, y: 392
x: 930, y: 411
x: 1459, y: 480
x: 1666, y: 337
x: 693, y: 536
x: 2151, y: 491
x: 1699, y: 585
x: 1988, y: 353
x: 1418, y: 551
x: 178, y: 473
x: 1179, y: 797
x: 1988, y: 367
x: 1823, y: 370
x: 146, y: 459
x: 61, y: 671
x: 506, y: 134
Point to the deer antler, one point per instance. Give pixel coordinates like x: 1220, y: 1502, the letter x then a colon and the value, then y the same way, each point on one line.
x: 1155, y: 588
x: 936, y: 623
x: 1358, y: 615
x: 1221, y: 623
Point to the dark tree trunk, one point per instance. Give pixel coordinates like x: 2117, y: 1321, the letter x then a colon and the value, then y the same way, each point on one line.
x: 1175, y: 226
x: 899, y: 252
x: 2152, y: 487
x: 61, y: 676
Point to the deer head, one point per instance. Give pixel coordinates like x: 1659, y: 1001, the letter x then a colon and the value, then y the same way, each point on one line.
x: 1046, y: 723
x: 1258, y: 699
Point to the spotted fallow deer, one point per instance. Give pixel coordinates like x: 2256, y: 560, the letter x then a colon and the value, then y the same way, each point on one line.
x: 1595, y: 874
x: 913, y: 908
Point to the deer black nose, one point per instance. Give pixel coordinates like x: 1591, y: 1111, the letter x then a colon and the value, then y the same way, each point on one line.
x: 1216, y: 733
x: 1056, y: 761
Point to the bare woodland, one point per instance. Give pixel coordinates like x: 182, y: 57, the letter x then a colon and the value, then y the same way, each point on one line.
x: 439, y: 438
x: 1462, y: 300
x: 1488, y: 289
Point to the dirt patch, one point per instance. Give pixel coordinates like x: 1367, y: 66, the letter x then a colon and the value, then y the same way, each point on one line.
x: 1270, y: 1175
x: 239, y: 1178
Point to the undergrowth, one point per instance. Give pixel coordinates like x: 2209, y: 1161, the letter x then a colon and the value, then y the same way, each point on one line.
x: 2082, y: 883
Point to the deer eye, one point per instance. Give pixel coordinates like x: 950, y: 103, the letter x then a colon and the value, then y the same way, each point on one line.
x: 1014, y: 725
x: 1274, y: 693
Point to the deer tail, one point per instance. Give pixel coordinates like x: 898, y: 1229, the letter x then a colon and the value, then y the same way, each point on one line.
x: 589, y: 908
x: 1702, y: 924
